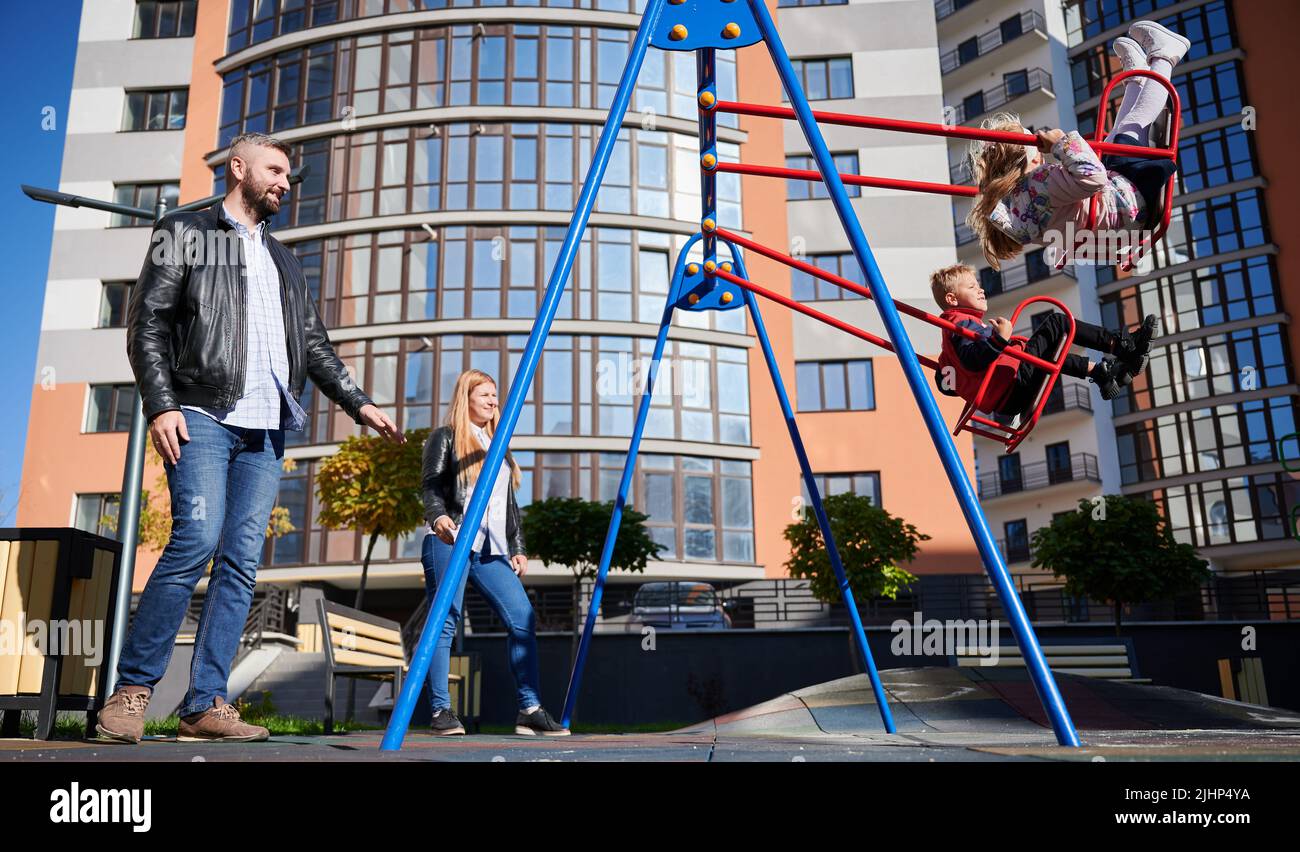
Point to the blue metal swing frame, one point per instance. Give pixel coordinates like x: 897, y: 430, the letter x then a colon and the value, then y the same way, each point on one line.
x: 704, y: 26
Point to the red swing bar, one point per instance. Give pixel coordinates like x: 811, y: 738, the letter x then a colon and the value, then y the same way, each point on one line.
x: 852, y: 180
x: 950, y: 130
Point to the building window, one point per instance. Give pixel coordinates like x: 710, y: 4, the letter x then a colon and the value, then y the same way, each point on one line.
x: 864, y: 484
x: 1017, y: 540
x: 160, y: 109
x: 972, y: 105
x: 113, y: 299
x: 1222, y: 436
x: 799, y: 190
x: 1223, y: 223
x: 1229, y: 511
x: 110, y: 408
x: 835, y: 385
x: 830, y: 78
x: 1198, y: 298
x: 808, y: 288
x: 1058, y: 462
x: 1010, y: 477
x: 165, y: 18
x: 97, y: 513
x: 1214, y: 158
x: 142, y: 195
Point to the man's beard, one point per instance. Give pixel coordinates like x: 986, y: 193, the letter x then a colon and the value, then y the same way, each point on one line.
x: 258, y: 201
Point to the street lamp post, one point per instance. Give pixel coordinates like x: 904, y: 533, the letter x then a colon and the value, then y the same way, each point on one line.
x: 128, y: 517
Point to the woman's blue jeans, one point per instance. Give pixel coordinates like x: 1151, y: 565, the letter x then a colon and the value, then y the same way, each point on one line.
x: 494, y: 579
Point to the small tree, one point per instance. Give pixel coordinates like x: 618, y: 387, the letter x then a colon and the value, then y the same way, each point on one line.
x: 373, y: 486
x: 1120, y: 551
x: 871, y: 542
x: 571, y: 531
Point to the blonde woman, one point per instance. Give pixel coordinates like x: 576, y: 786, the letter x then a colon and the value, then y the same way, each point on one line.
x: 453, y: 460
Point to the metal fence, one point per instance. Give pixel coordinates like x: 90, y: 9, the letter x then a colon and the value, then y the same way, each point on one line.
x: 787, y: 604
x: 1028, y: 477
x: 987, y: 42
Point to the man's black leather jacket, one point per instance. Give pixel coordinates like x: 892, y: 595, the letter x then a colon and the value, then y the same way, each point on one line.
x: 186, y: 332
x: 444, y: 490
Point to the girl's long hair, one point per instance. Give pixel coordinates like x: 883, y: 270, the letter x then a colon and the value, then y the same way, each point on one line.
x: 996, y: 168
x: 469, y: 452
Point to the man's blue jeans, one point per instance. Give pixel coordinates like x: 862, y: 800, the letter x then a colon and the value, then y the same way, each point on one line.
x: 494, y: 579
x: 222, y: 490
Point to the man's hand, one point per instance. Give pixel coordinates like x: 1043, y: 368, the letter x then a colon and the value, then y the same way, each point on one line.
x: 519, y: 562
x: 1002, y: 326
x: 1048, y: 138
x: 378, y: 420
x: 168, y: 431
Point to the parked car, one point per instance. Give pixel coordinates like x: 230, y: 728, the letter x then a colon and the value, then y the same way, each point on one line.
x: 678, y: 605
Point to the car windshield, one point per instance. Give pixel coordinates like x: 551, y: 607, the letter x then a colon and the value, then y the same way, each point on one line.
x: 674, y: 594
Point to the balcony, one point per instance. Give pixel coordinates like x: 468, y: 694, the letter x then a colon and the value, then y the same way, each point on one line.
x: 1012, y: 29
x: 1068, y: 396
x: 1014, y: 87
x: 946, y: 8
x: 1038, y: 475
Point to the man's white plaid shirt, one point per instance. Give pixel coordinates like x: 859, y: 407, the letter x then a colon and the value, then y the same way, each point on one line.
x: 266, y: 403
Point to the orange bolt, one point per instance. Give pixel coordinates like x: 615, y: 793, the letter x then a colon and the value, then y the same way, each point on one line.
x: 692, y: 268
x: 708, y: 225
x: 693, y: 298
x: 727, y: 297
x: 726, y: 267
x: 709, y: 161
x: 677, y: 33
x: 707, y: 100
x: 731, y: 30
x: 709, y: 266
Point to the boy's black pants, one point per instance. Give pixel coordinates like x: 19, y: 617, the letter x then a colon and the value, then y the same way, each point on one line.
x: 1043, y: 343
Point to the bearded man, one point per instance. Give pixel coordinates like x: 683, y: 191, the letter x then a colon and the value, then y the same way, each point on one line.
x: 221, y: 343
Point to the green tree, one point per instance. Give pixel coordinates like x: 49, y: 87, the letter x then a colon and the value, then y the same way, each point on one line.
x: 1119, y: 551
x: 871, y: 542
x: 570, y: 531
x: 372, y: 485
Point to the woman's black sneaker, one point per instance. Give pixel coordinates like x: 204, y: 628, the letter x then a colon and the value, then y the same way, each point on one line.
x: 538, y: 724
x: 445, y: 724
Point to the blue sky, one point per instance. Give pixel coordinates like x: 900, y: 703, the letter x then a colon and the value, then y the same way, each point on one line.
x: 38, y: 45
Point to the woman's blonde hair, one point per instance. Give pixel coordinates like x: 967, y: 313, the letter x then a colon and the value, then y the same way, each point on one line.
x: 469, y: 452
x: 996, y: 168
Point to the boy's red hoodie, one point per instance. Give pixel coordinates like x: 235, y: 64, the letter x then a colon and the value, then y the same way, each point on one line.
x: 984, y: 354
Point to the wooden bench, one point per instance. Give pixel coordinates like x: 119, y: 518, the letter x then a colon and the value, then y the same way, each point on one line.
x: 358, y: 645
x: 1109, y: 661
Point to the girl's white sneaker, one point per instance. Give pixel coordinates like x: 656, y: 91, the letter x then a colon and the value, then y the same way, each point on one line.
x: 1159, y: 42
x: 1131, y: 55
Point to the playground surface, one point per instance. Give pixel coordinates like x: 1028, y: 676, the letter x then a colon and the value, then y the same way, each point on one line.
x: 942, y: 714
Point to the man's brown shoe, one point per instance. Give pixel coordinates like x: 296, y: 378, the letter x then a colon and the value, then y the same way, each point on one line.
x: 121, y: 719
x: 220, y: 723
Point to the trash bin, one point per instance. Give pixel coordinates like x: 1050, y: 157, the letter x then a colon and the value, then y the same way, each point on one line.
x: 58, y: 595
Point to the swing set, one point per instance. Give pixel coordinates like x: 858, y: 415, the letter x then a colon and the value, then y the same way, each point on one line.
x: 703, y: 27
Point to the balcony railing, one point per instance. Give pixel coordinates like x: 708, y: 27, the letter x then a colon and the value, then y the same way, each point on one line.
x: 944, y: 8
x: 1068, y: 396
x: 1013, y: 87
x: 984, y: 44
x: 1036, y: 475
x: 1016, y: 552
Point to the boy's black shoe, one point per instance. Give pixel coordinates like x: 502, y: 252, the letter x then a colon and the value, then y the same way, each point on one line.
x: 445, y: 724
x: 538, y: 724
x: 1106, y: 377
x: 1131, y: 349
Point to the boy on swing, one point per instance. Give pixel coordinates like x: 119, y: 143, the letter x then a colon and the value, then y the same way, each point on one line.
x: 964, y: 361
